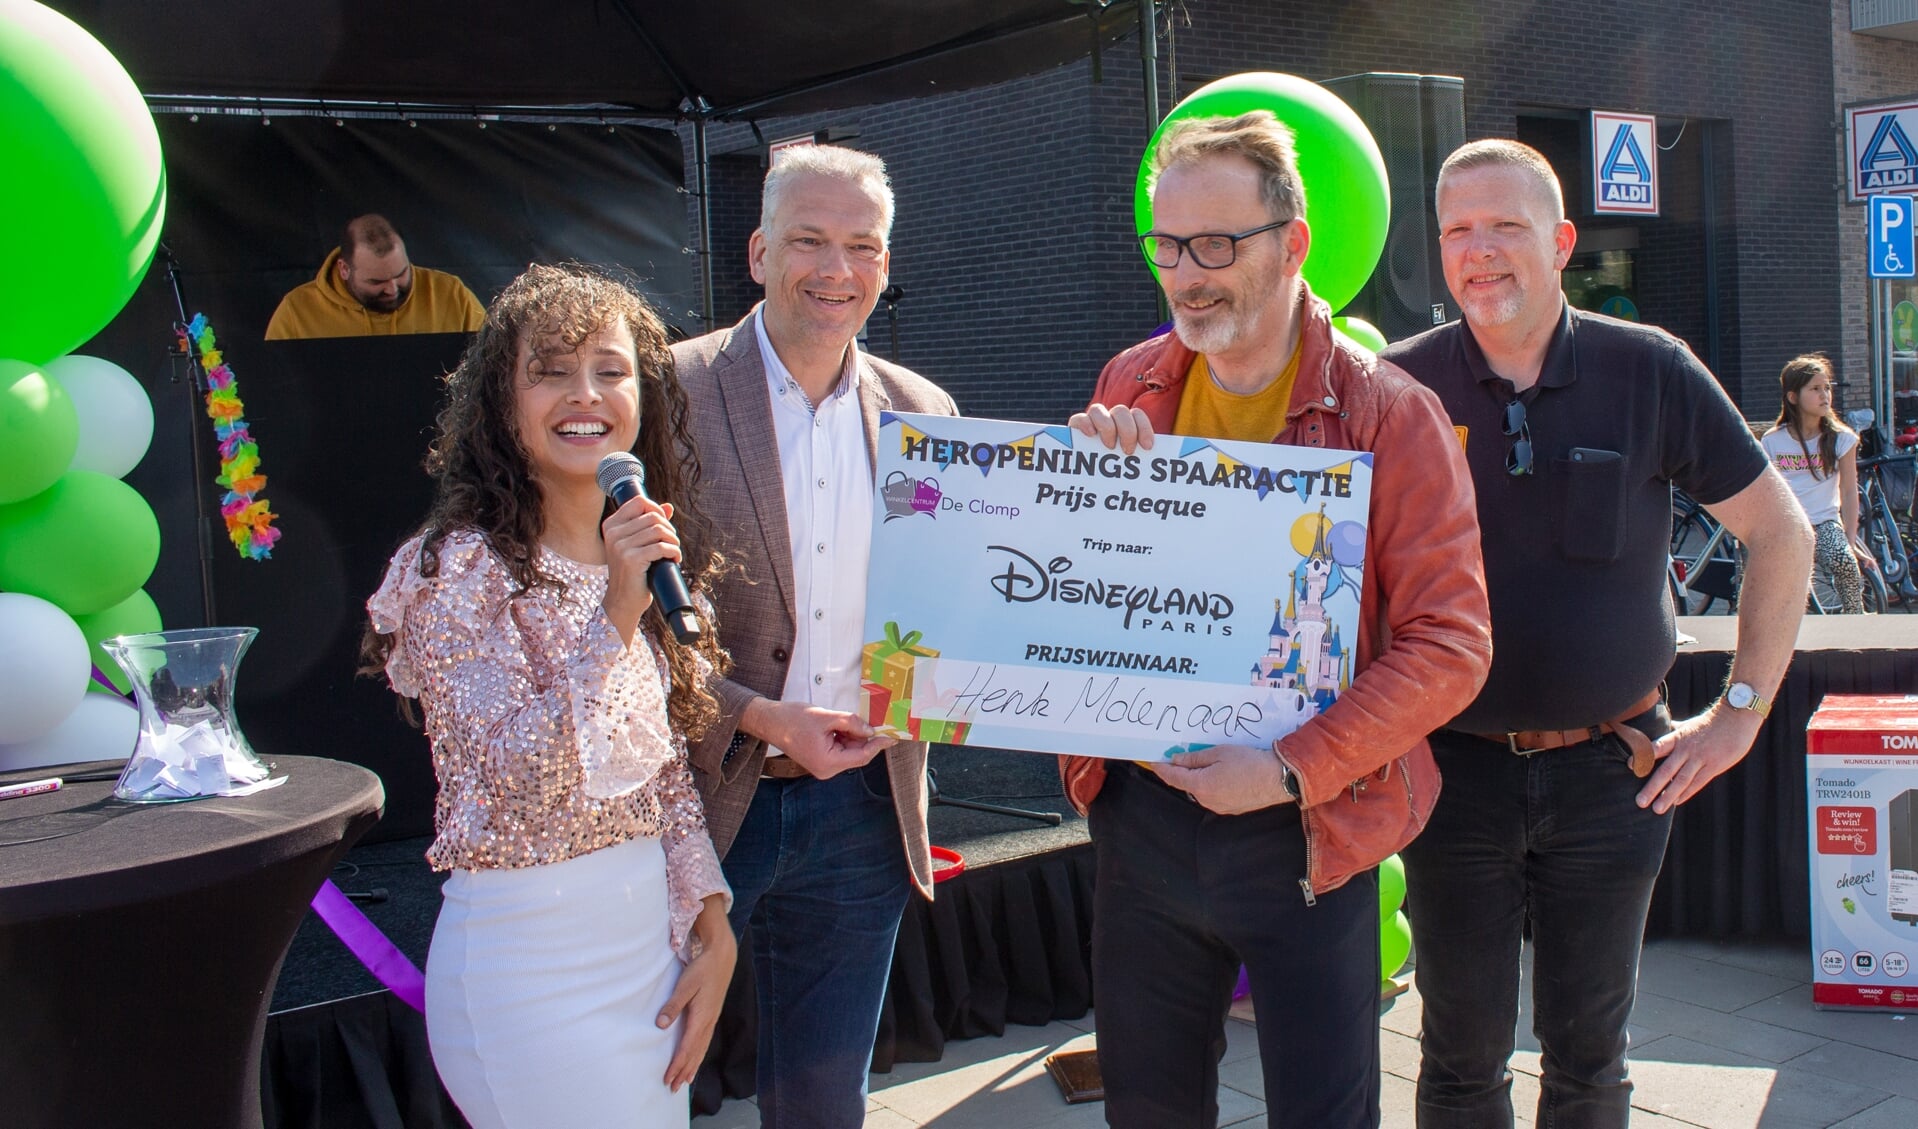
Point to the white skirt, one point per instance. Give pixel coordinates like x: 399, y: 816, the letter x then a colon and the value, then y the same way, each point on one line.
x: 542, y: 987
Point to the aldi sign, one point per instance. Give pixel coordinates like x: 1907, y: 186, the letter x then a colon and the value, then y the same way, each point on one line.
x: 1624, y: 164
x: 1881, y: 155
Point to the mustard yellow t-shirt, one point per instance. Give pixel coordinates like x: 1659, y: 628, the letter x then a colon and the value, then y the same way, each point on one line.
x: 1207, y: 410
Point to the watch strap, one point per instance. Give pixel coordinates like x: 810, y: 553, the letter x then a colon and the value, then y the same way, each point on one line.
x: 1757, y: 705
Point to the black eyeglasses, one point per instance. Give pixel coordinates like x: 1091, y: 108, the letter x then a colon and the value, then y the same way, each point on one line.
x: 1518, y: 460
x: 1211, y: 250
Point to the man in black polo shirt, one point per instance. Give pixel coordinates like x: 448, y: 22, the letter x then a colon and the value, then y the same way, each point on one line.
x: 1561, y: 777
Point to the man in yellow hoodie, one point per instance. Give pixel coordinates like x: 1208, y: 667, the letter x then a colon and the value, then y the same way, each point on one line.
x: 367, y: 287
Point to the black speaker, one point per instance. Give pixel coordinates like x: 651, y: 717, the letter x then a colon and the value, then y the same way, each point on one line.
x: 1417, y: 121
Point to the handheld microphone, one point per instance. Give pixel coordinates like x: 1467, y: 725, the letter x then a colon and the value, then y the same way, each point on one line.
x: 623, y: 478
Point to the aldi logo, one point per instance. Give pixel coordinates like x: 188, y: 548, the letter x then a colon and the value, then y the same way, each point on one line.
x: 1883, y: 159
x: 1624, y: 164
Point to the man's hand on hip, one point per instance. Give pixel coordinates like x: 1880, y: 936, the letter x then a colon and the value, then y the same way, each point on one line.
x: 1228, y: 779
x: 1695, y: 752
x: 824, y: 742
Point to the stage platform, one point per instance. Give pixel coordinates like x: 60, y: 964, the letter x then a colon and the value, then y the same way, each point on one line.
x: 1006, y: 941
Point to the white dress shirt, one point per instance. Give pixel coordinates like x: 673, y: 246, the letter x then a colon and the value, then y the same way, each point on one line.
x: 828, y: 480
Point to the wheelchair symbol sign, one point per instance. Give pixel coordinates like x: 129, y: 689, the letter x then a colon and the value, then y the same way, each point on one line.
x: 1891, y: 238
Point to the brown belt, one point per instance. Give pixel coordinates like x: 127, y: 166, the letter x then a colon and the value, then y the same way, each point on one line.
x: 1538, y: 740
x: 782, y: 768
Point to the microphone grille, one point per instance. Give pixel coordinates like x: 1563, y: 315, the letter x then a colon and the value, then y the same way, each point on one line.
x: 618, y: 465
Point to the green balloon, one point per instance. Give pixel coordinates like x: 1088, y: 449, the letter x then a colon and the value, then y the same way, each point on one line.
x: 1391, y: 878
x: 1395, y: 944
x: 84, y: 190
x: 1347, y: 201
x: 39, y: 430
x: 135, y: 615
x: 84, y: 544
x: 1361, y: 331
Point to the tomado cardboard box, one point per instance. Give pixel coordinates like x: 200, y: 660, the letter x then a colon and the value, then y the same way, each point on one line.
x: 1861, y: 785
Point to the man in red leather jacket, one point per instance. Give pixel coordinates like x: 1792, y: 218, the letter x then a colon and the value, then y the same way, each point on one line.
x: 1267, y: 856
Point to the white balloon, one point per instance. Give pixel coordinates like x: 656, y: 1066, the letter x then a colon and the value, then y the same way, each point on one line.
x: 102, y: 727
x: 44, y: 667
x: 116, y: 415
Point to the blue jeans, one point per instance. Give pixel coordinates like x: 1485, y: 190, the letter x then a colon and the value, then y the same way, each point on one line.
x: 1181, y: 897
x: 819, y: 872
x: 1555, y: 840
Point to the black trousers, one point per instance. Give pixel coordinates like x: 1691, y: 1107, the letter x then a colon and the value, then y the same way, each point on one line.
x: 1558, y: 840
x: 1181, y: 899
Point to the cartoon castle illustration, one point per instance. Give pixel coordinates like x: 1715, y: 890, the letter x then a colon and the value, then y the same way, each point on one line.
x: 1306, y: 653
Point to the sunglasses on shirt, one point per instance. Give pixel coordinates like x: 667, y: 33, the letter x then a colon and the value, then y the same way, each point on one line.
x: 1518, y: 460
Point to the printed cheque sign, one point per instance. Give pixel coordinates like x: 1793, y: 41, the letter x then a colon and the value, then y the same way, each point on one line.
x: 1031, y: 589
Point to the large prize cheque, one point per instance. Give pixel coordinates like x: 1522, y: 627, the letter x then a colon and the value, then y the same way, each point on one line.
x: 1032, y: 589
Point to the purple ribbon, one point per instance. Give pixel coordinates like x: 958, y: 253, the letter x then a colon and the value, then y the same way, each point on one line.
x: 362, y: 938
x: 381, y: 957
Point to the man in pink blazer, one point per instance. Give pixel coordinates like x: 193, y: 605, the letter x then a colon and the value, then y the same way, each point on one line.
x: 822, y: 837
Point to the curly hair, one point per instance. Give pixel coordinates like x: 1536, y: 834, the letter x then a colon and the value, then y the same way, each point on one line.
x: 482, y: 470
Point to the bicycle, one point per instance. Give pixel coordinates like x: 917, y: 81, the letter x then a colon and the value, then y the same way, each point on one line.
x: 1878, y: 524
x: 1824, y: 598
x: 1703, y: 565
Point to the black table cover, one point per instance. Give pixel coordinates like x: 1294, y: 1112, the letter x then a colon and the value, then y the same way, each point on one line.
x: 1737, y: 864
x: 139, y: 942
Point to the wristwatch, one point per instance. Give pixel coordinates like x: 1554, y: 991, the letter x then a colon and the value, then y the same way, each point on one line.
x: 1290, y: 779
x: 1740, y: 696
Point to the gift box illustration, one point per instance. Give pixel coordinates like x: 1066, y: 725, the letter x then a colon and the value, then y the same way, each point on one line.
x: 899, y: 719
x: 888, y: 662
x: 886, y: 691
x: 876, y: 698
x: 947, y: 732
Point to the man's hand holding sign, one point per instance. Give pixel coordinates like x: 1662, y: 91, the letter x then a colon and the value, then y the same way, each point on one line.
x: 1228, y: 779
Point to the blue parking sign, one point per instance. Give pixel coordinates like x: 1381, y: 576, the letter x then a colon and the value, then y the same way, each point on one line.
x: 1891, y: 238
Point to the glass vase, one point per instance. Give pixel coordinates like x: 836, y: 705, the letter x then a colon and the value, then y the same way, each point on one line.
x: 189, y: 744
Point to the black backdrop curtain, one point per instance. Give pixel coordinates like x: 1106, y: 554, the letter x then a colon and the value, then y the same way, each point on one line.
x: 254, y: 204
x: 342, y: 423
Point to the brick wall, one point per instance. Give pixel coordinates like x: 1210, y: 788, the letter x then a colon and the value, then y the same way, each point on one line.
x: 1012, y: 239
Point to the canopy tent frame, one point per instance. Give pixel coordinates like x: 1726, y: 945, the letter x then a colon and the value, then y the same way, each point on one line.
x: 694, y: 108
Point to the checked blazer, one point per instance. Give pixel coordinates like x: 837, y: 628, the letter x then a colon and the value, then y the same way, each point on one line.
x: 732, y: 430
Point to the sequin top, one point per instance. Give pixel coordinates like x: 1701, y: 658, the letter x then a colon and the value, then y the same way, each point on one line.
x: 549, y: 734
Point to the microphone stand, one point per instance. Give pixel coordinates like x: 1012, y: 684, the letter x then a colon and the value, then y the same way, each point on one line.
x: 934, y: 799
x: 891, y: 296
x: 196, y: 388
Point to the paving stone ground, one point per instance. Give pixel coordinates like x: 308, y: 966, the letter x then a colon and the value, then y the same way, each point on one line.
x: 1724, y: 1037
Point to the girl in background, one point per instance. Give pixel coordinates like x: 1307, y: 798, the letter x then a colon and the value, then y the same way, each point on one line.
x: 1818, y: 455
x: 582, y: 950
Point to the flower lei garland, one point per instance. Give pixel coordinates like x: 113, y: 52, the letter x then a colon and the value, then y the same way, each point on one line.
x: 249, y: 524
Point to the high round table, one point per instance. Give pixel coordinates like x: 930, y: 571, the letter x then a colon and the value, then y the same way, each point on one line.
x: 139, y: 943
